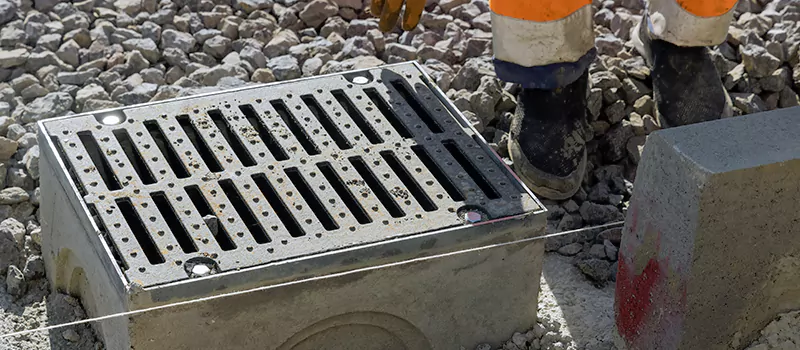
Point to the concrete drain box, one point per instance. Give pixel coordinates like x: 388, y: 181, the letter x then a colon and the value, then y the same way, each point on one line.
x: 179, y: 200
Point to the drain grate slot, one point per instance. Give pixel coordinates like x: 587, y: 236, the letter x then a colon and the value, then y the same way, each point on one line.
x: 134, y: 156
x: 99, y: 160
x: 68, y: 165
x: 295, y: 127
x: 470, y: 168
x: 278, y: 206
x: 388, y: 113
x: 199, y: 144
x: 407, y: 180
x: 418, y: 108
x: 438, y: 173
x: 311, y: 199
x: 166, y: 149
x: 229, y: 135
x: 213, y: 222
x: 173, y: 222
x: 347, y: 197
x: 326, y: 121
x: 244, y: 211
x: 377, y: 187
x: 358, y: 118
x: 272, y: 144
x: 139, y: 231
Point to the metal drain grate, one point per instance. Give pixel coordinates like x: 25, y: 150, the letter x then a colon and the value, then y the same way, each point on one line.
x: 262, y: 174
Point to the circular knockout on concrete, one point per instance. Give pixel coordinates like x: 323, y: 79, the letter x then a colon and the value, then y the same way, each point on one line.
x: 359, y: 330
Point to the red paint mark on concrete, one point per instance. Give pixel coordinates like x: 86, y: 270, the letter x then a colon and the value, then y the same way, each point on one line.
x: 634, y: 294
x: 649, y: 313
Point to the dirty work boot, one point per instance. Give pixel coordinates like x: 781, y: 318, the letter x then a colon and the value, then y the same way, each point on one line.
x: 686, y: 85
x: 547, y: 142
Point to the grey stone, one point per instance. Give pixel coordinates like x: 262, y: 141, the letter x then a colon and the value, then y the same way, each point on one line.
x: 448, y: 5
x: 218, y: 46
x: 569, y: 222
x: 285, y: 67
x: 597, y: 270
x: 615, y: 112
x: 34, y: 268
x: 248, y: 6
x: 33, y: 91
x: 614, y: 142
x: 31, y: 161
x: 312, y: 66
x: 15, y: 131
x: 605, y: 80
x: 147, y: 47
x: 205, y: 34
x: 7, y: 148
x: 317, y: 11
x: 211, y: 76
x: 94, y: 104
x: 469, y: 76
x: 360, y: 62
x: 71, y: 335
x: 608, y: 44
x: 748, y: 102
x: 622, y: 23
x: 135, y: 62
x: 13, y: 58
x: 8, y: 11
x: 466, y: 12
x: 171, y: 38
x: 571, y: 249
x: 360, y: 27
x: 263, y: 75
x: 644, y: 105
x: 77, y: 78
x: 610, y: 250
x: 18, y: 177
x: 15, y: 282
x: 254, y: 56
x: 485, y: 98
x: 334, y: 25
x: 594, y: 214
x: 597, y: 251
x: 9, y: 249
x: 13, y: 230
x: 280, y: 43
x: 757, y: 61
x: 358, y: 46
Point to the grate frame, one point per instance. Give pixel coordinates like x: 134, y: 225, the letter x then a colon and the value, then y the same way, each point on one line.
x: 370, y: 138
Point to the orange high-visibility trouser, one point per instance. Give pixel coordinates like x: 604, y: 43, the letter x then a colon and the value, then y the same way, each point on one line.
x: 530, y: 33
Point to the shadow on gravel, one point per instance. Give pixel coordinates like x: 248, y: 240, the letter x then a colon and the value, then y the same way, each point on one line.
x: 583, y: 310
x: 39, y: 308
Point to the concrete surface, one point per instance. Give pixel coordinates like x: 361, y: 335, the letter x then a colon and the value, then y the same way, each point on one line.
x: 710, y: 246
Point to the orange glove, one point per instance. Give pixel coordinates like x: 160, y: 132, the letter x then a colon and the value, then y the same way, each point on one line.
x: 389, y: 11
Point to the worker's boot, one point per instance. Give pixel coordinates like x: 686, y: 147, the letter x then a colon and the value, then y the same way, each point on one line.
x: 547, y: 142
x: 686, y: 85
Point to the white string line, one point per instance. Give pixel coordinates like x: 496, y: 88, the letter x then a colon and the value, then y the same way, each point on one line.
x: 310, y: 279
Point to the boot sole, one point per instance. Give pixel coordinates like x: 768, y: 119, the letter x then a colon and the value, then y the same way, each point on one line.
x: 543, y: 184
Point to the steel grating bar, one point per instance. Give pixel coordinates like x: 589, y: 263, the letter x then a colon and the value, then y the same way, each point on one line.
x: 328, y: 198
